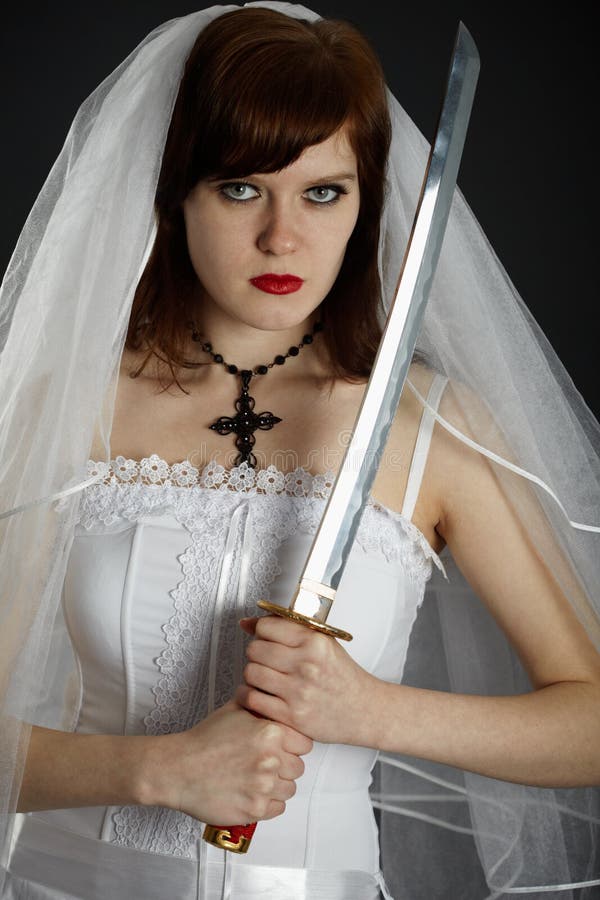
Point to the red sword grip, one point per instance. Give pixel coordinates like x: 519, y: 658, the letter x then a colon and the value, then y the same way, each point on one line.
x: 238, y: 837
x: 230, y: 837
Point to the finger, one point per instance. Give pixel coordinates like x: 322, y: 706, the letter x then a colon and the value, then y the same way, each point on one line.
x: 274, y: 808
x: 263, y: 704
x: 248, y: 624
x: 274, y: 656
x: 240, y: 696
x: 265, y: 679
x: 296, y: 742
x: 291, y: 767
x: 283, y: 789
x: 281, y: 630
x: 286, y: 789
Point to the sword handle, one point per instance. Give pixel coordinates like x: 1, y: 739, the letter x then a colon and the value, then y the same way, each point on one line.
x: 237, y: 838
x: 308, y: 621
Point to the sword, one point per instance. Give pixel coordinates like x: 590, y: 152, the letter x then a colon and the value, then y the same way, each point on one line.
x: 331, y: 546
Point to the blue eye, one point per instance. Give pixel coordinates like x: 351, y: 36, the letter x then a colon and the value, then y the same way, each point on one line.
x: 320, y: 195
x: 326, y: 193
x: 238, y: 191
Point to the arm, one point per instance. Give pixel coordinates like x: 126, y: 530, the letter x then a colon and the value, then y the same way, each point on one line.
x: 260, y: 759
x: 64, y: 770
x: 548, y: 737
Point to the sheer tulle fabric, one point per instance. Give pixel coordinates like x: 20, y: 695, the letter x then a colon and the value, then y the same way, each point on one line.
x: 64, y: 308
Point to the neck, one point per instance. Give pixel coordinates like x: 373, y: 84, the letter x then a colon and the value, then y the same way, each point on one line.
x: 247, y: 347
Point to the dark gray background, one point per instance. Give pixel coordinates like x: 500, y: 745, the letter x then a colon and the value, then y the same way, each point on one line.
x: 529, y: 167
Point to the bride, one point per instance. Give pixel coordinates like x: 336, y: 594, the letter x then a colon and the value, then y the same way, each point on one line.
x: 282, y: 200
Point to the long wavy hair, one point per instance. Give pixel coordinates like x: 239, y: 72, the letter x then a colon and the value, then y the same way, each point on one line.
x: 258, y: 88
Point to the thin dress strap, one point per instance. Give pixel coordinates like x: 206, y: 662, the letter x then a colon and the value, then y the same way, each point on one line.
x: 419, y: 459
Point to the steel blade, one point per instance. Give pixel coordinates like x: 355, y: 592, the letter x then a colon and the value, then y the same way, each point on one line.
x: 332, y: 543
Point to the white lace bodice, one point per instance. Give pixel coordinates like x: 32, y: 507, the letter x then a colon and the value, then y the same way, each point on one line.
x: 165, y: 561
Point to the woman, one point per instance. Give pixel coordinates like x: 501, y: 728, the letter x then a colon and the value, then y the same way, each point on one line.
x: 263, y: 280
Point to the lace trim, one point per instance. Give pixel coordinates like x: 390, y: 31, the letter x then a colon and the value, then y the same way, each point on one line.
x: 155, y: 471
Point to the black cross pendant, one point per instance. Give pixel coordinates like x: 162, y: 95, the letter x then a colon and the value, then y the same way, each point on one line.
x: 245, y: 423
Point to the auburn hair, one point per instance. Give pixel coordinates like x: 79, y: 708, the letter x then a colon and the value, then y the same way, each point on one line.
x: 258, y: 88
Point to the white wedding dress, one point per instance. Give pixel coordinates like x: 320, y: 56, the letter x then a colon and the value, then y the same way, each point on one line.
x: 165, y: 561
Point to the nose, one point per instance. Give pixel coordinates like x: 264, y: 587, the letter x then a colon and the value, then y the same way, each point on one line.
x: 279, y: 232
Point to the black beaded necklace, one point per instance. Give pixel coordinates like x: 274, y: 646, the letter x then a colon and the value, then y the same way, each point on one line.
x: 246, y: 422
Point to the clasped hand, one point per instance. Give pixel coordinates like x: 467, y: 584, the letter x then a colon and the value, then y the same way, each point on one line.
x: 306, y: 680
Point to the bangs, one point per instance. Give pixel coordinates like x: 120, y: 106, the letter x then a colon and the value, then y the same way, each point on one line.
x: 269, y: 113
x: 258, y: 89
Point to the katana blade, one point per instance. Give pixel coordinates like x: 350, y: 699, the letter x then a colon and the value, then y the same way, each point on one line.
x: 332, y: 543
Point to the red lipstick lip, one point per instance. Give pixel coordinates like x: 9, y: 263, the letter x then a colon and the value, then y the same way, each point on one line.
x: 277, y: 284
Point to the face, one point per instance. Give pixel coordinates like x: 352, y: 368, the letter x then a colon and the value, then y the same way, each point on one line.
x: 243, y: 233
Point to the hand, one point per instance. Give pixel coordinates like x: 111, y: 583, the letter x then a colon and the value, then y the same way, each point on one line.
x: 306, y: 680
x: 230, y: 768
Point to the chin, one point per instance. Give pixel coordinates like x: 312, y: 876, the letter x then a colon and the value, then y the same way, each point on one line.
x: 281, y: 319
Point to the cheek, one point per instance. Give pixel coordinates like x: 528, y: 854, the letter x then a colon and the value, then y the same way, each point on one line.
x: 339, y: 237
x: 197, y: 228
x: 210, y: 252
x: 196, y: 236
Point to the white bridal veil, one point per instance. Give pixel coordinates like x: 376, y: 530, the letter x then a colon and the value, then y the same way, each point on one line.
x: 64, y: 309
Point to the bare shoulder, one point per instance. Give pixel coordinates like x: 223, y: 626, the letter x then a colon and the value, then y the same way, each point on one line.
x: 454, y: 474
x: 392, y: 478
x: 132, y: 412
x: 460, y: 473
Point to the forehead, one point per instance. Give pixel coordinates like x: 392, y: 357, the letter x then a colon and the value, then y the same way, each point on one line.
x: 333, y: 156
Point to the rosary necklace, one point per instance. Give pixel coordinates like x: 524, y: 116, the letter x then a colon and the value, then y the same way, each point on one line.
x: 246, y: 421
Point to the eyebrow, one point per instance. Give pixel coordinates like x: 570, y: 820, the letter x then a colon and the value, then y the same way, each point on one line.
x: 342, y: 176
x: 319, y: 179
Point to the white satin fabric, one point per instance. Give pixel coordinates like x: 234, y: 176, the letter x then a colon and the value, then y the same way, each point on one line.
x: 164, y: 562
x: 97, y: 870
